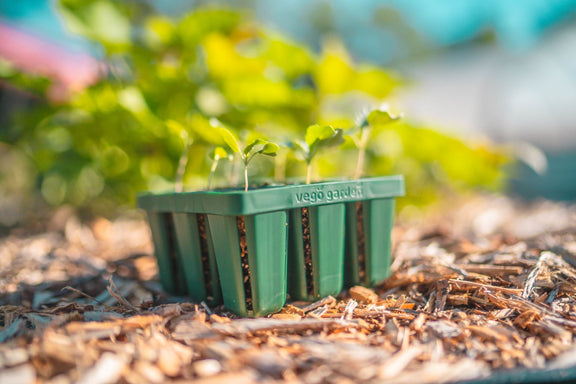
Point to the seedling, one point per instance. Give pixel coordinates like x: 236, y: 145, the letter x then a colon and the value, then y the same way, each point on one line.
x: 317, y: 137
x: 377, y: 117
x: 247, y: 151
x: 183, y: 162
x: 218, y: 154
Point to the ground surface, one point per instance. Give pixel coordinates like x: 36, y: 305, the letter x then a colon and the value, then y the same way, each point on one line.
x: 485, y: 287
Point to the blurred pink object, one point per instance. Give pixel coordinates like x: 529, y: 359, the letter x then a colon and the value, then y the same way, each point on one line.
x: 30, y: 53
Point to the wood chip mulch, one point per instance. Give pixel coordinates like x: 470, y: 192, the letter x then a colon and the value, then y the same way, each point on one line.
x: 488, y: 287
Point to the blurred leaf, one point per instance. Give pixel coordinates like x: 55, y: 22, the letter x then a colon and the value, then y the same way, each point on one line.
x: 223, y: 60
x: 254, y: 144
x: 260, y: 147
x: 292, y: 59
x: 196, y: 25
x: 131, y: 98
x: 270, y: 149
x: 160, y: 31
x: 336, y: 139
x: 380, y: 117
x: 107, y: 23
x: 229, y: 139
x: 349, y: 142
x: 317, y: 132
x: 333, y: 74
x: 375, y: 82
x: 99, y: 20
x: 219, y: 153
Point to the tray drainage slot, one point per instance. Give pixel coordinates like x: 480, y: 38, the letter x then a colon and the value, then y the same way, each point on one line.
x: 360, y: 230
x: 244, y: 262
x: 307, y: 246
x: 201, y: 219
x: 173, y: 252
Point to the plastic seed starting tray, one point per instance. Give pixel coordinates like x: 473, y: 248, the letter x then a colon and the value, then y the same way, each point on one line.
x: 251, y: 249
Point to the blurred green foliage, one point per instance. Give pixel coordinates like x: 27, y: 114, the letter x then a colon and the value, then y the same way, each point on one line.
x: 163, y: 81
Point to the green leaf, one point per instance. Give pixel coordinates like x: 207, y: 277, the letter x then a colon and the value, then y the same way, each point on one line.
x: 261, y: 147
x: 335, y: 140
x: 252, y: 145
x: 350, y: 142
x: 270, y: 149
x: 317, y: 132
x: 202, y: 128
x: 175, y: 126
x: 300, y: 148
x: 230, y: 139
x: 132, y: 99
x: 108, y: 23
x: 219, y: 153
x: 380, y: 117
x: 177, y: 129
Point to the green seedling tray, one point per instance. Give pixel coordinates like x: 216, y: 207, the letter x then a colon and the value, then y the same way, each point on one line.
x: 249, y: 232
x: 316, y: 260
x: 368, y: 241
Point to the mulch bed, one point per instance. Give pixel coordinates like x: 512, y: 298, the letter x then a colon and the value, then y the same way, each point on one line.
x: 487, y: 287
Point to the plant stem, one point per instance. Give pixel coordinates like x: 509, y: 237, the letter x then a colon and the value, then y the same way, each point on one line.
x: 212, y: 172
x: 246, y: 177
x: 360, y: 163
x: 361, y: 153
x: 309, y: 173
x: 182, y: 163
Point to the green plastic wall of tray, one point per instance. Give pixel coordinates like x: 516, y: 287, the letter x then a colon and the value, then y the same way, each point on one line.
x: 326, y: 224
x: 266, y: 241
x: 378, y: 219
x: 192, y: 266
x: 176, y: 239
x: 274, y: 198
x: 165, y: 250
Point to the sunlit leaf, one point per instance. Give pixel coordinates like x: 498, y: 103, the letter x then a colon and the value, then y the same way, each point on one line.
x: 260, y: 147
x: 219, y: 153
x: 270, y: 149
x: 318, y: 132
x: 349, y: 142
x: 375, y: 82
x: 160, y: 31
x: 132, y: 99
x: 258, y: 142
x: 107, y: 23
x: 334, y: 74
x: 175, y: 126
x: 229, y: 139
x: 380, y: 117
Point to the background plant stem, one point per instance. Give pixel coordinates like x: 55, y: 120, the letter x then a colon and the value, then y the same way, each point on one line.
x: 360, y: 163
x: 361, y: 153
x: 246, y: 177
x: 182, y: 163
x: 212, y: 172
x: 309, y: 173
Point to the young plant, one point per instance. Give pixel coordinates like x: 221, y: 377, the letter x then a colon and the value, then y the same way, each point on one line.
x: 377, y: 117
x: 247, y: 151
x: 218, y: 154
x: 183, y: 162
x: 317, y: 137
x: 194, y: 131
